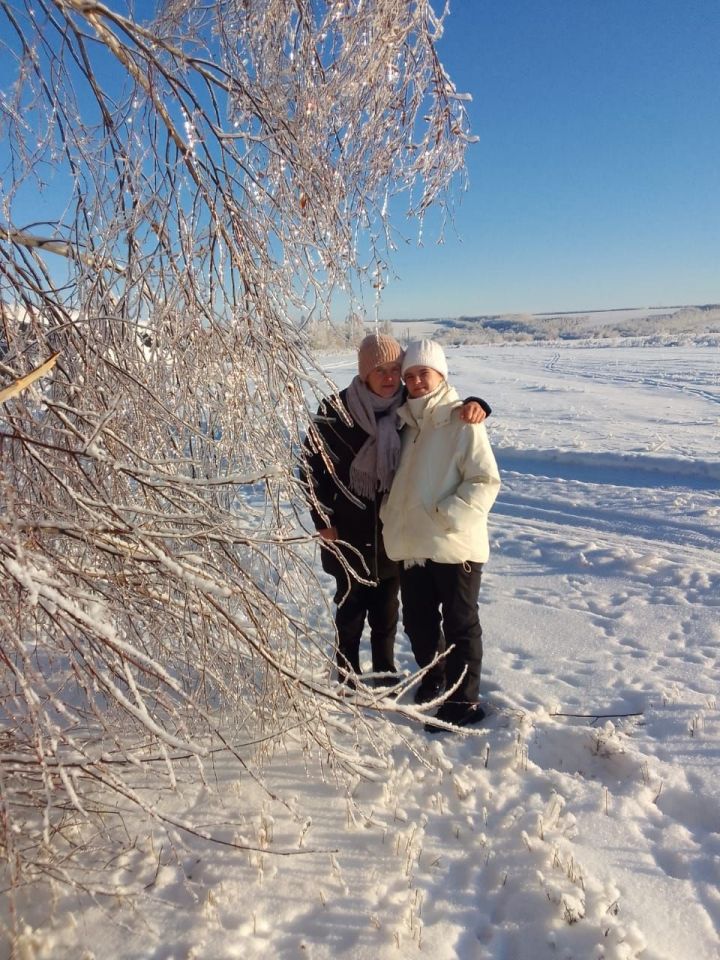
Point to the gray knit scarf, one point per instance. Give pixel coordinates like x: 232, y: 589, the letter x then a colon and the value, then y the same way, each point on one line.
x: 375, y: 463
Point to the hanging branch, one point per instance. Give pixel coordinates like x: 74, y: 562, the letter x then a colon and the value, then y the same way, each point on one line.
x: 204, y: 179
x: 22, y: 383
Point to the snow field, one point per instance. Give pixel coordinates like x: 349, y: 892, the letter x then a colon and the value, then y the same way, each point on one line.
x: 551, y: 831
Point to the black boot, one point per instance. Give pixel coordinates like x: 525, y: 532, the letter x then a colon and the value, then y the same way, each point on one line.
x: 457, y: 715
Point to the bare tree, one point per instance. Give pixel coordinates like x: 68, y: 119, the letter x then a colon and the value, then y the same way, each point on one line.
x: 213, y: 174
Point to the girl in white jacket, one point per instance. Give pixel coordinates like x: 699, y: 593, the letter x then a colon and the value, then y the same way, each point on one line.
x: 435, y: 522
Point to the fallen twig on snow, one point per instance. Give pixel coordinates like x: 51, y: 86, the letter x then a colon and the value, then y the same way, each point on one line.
x: 598, y: 716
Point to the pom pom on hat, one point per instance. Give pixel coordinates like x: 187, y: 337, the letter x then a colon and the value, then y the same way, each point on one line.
x: 426, y: 353
x: 376, y: 349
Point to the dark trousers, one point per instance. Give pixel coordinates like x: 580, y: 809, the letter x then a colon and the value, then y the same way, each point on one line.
x: 381, y: 606
x: 440, y: 610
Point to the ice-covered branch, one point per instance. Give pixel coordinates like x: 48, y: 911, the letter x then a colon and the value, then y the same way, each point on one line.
x: 207, y: 177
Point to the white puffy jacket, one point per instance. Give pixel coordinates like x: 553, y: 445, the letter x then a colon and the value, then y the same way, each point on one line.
x: 444, y: 488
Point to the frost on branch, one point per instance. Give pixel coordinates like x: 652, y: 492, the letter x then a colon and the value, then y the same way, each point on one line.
x: 201, y: 180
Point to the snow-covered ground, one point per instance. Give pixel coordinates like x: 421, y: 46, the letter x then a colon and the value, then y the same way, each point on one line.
x: 583, y: 819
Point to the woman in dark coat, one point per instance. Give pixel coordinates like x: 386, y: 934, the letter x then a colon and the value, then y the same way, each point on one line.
x: 351, y: 453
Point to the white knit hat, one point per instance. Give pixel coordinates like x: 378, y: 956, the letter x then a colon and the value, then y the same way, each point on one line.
x: 425, y: 353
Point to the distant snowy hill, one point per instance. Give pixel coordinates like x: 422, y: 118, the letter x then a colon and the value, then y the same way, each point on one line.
x: 661, y: 326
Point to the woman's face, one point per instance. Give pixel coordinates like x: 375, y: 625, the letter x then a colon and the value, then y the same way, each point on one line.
x: 384, y: 381
x: 420, y: 381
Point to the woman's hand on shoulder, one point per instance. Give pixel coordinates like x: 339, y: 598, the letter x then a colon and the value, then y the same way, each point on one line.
x: 472, y: 412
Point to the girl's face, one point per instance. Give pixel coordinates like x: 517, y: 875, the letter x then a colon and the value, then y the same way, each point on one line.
x: 420, y: 381
x: 384, y: 381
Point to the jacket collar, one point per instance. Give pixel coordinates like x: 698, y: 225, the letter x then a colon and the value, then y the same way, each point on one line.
x: 438, y: 411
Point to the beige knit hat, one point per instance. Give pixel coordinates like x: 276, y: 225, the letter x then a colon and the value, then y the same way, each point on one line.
x: 425, y: 353
x: 377, y: 348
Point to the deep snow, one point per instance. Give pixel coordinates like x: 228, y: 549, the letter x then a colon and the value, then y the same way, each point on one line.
x: 544, y: 835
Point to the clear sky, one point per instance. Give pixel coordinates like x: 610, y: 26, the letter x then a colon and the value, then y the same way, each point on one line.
x: 596, y: 180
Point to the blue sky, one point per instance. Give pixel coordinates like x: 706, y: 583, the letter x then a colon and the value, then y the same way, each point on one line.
x: 596, y: 180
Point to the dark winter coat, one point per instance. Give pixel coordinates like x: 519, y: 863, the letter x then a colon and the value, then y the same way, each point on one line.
x: 357, y: 520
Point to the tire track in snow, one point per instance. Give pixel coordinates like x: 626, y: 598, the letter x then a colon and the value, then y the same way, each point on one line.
x: 635, y: 470
x: 685, y: 383
x: 616, y: 524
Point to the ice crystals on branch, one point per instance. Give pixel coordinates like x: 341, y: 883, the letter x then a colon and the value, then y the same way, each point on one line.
x: 216, y: 173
